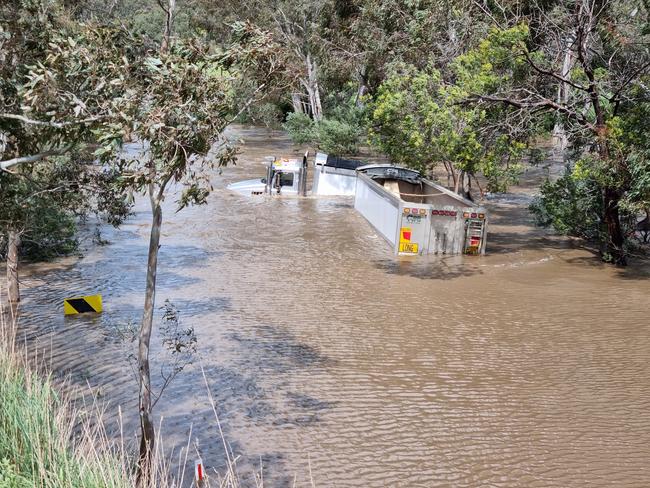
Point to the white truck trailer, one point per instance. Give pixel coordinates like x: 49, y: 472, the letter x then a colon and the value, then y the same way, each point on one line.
x: 288, y: 176
x: 417, y: 216
x: 334, y: 176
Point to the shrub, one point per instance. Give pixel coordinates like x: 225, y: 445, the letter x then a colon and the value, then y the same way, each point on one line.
x: 337, y: 137
x: 301, y: 128
x: 571, y: 206
x: 333, y: 136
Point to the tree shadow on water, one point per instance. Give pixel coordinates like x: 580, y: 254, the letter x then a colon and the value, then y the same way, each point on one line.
x: 429, y: 268
x: 638, y: 268
x: 275, y: 349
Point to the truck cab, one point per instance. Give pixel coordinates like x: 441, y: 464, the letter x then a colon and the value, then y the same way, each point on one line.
x: 284, y: 176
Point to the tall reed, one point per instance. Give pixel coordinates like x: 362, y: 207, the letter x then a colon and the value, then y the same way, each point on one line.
x: 48, y: 441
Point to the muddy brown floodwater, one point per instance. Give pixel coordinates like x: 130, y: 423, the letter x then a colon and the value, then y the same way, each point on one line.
x: 524, y: 368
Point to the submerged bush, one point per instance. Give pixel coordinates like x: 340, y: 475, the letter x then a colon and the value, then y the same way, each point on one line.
x: 338, y: 135
x: 301, y: 128
x: 571, y: 206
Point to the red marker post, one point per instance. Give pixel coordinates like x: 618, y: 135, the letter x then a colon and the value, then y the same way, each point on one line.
x: 199, y: 472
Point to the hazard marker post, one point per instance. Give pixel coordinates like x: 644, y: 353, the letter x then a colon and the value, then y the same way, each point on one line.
x: 90, y: 303
x: 199, y: 472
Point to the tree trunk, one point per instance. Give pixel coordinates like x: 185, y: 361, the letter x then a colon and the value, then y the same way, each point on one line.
x: 146, y: 417
x: 454, y: 176
x: 297, y: 103
x: 13, y: 256
x: 563, y: 92
x: 611, y: 199
x: 169, y: 26
x: 468, y: 192
x: 615, y: 237
x: 313, y: 90
x: 459, y: 183
x: 362, y: 89
x: 478, y: 185
x: 147, y: 431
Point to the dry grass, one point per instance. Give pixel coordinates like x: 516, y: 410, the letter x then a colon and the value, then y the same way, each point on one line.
x: 47, y: 441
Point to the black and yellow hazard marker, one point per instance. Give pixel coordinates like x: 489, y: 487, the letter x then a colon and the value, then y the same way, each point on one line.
x: 92, y: 303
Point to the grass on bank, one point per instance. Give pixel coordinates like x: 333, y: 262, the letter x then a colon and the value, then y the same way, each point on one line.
x: 46, y: 441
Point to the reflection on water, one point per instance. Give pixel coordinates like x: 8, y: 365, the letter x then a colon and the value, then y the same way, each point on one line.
x: 527, y: 367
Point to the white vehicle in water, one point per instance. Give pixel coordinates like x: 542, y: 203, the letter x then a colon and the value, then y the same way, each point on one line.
x: 283, y: 177
x: 288, y: 176
x: 415, y: 215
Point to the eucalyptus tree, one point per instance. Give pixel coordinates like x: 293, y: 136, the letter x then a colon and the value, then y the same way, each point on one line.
x: 298, y: 24
x: 418, y: 119
x: 180, y: 100
x: 59, y: 82
x: 604, y: 91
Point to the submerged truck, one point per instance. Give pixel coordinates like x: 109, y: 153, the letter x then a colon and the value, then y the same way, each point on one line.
x: 415, y: 215
x: 288, y: 176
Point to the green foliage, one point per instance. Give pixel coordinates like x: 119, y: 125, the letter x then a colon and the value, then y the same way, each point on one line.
x: 637, y: 198
x: 494, y: 63
x: 419, y: 121
x: 339, y: 134
x: 10, y: 477
x: 44, y: 201
x: 630, y: 133
x: 572, y: 205
x: 178, y: 103
x: 35, y: 437
x: 337, y: 137
x: 268, y: 114
x: 406, y: 117
x: 61, y: 81
x: 47, y: 228
x: 301, y: 128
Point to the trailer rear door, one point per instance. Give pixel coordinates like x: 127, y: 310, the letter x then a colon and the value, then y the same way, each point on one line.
x: 414, y: 230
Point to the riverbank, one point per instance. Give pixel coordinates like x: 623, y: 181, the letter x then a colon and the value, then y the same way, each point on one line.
x: 45, y: 440
x: 526, y: 367
x: 50, y: 440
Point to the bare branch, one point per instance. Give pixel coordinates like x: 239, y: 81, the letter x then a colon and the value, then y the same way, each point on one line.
x: 629, y: 80
x: 552, y: 74
x: 5, y: 165
x: 541, y: 104
x: 56, y: 125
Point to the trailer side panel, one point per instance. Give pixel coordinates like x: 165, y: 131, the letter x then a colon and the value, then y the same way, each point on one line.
x: 380, y: 210
x: 333, y: 181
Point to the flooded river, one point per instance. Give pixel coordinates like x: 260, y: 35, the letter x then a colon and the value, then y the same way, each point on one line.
x: 524, y: 368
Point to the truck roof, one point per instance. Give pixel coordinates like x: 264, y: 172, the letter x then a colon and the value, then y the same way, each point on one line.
x: 323, y: 159
x: 287, y: 164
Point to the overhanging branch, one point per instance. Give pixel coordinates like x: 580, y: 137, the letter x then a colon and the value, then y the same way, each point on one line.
x: 45, y: 123
x: 552, y: 74
x: 535, y: 106
x: 5, y: 165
